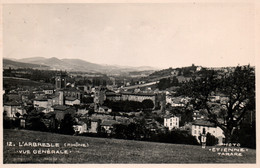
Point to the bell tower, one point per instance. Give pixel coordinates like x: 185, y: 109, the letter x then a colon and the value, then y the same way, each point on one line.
x: 60, y: 80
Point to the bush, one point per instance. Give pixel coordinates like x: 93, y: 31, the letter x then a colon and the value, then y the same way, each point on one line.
x: 246, y: 135
x: 175, y: 136
x: 211, y: 140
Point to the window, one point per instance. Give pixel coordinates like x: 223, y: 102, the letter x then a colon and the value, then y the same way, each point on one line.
x: 194, y: 131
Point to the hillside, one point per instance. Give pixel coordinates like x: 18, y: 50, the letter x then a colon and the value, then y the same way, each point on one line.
x: 15, y: 64
x: 101, y: 150
x: 81, y: 65
x: 23, y: 82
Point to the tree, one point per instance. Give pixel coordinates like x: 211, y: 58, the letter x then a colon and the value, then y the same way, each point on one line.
x: 147, y: 104
x: 211, y: 140
x: 66, y: 126
x: 238, y: 87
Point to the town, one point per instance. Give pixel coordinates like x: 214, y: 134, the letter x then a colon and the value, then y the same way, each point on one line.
x: 154, y: 107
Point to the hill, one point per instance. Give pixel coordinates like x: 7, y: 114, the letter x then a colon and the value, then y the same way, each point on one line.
x: 81, y: 65
x: 16, y: 64
x: 23, y: 82
x: 102, y: 150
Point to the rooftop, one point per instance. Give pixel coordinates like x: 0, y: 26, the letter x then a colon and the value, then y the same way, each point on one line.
x: 60, y: 107
x: 204, y: 123
x: 109, y: 123
x: 70, y: 98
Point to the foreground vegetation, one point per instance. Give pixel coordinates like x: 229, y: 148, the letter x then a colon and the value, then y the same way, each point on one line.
x: 102, y: 150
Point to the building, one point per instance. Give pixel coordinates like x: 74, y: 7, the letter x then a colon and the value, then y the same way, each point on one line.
x: 108, y: 125
x: 80, y: 127
x: 85, y: 88
x: 72, y: 92
x: 99, y: 95
x: 40, y: 102
x: 60, y: 80
x: 48, y: 92
x: 104, y: 109
x: 158, y: 99
x: 197, y: 115
x: 113, y: 96
x: 71, y: 101
x: 94, y: 126
x: 139, y: 97
x: 199, y: 125
x: 171, y: 122
x: 60, y: 111
x: 11, y: 108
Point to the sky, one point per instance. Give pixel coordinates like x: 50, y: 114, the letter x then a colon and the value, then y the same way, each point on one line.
x: 157, y: 35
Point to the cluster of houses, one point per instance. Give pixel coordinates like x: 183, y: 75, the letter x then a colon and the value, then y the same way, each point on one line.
x: 196, y: 127
x: 56, y: 103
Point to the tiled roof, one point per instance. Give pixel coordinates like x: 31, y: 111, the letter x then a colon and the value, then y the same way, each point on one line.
x: 204, y: 123
x: 41, y: 99
x: 70, y: 98
x: 109, y: 123
x: 60, y: 107
x: 169, y: 116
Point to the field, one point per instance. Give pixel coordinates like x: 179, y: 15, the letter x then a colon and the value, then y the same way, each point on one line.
x: 101, y: 150
x: 13, y: 81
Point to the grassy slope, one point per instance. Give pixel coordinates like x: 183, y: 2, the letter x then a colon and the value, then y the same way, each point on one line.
x: 103, y: 150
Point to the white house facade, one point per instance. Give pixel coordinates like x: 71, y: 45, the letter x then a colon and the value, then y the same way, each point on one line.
x: 171, y: 122
x: 199, y: 125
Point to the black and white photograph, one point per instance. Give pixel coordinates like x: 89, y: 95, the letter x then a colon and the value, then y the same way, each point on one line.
x: 129, y: 83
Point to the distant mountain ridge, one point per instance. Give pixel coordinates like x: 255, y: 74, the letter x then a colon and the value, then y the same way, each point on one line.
x: 15, y: 64
x: 54, y: 63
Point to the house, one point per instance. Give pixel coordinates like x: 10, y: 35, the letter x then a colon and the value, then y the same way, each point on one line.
x: 39, y: 94
x: 104, y: 109
x: 186, y: 127
x: 40, y: 102
x: 22, y: 123
x: 82, y: 111
x: 107, y: 126
x: 71, y: 101
x: 48, y: 92
x: 94, y: 126
x: 199, y: 125
x: 60, y: 111
x: 171, y: 122
x: 72, y: 92
x: 175, y: 72
x: 198, y: 68
x: 197, y: 115
x: 85, y: 88
x: 112, y: 96
x: 80, y: 127
x: 13, y: 107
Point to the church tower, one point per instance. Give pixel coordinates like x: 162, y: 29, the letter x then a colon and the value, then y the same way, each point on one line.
x: 60, y: 80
